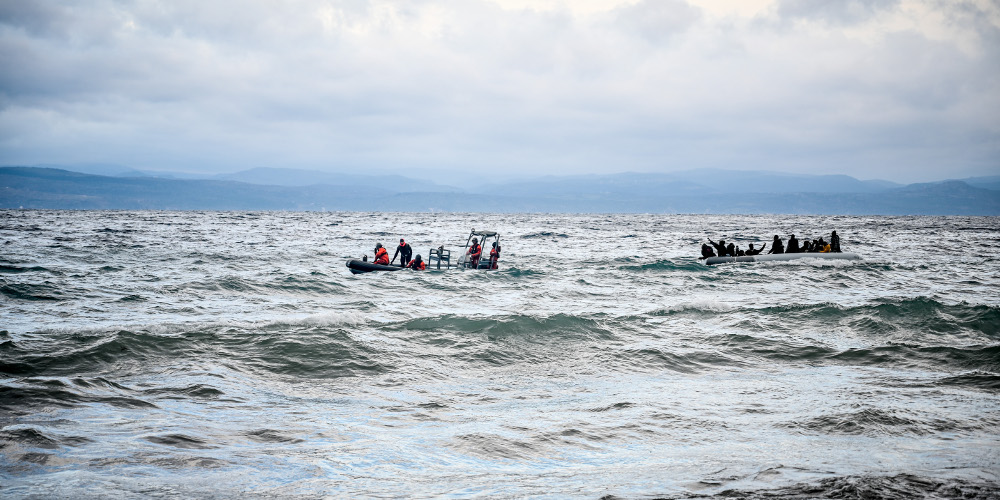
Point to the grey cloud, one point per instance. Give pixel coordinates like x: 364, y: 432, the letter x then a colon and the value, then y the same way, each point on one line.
x: 841, y: 12
x: 657, y: 20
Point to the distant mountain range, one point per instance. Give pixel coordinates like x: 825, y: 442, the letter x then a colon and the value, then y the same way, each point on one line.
x: 695, y: 191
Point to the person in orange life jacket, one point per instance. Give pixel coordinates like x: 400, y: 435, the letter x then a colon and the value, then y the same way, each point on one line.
x: 404, y: 251
x: 494, y: 255
x: 475, y: 251
x: 381, y: 255
x: 417, y: 264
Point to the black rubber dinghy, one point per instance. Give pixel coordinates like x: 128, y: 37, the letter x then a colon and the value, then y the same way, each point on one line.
x: 360, y: 267
x: 785, y: 256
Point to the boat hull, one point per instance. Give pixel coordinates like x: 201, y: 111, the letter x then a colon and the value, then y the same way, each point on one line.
x: 360, y: 266
x: 783, y: 256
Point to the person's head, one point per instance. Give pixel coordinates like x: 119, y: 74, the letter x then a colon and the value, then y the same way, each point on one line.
x: 776, y: 237
x: 751, y: 246
x: 722, y: 242
x: 494, y: 244
x: 792, y: 236
x: 418, y: 259
x: 378, y: 245
x: 833, y: 233
x: 475, y: 241
x: 401, y: 241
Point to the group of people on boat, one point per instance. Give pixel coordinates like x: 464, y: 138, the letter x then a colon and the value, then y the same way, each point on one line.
x: 404, y: 252
x: 818, y: 245
x: 475, y: 253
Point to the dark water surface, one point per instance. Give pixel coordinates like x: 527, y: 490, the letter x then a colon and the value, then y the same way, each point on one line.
x: 178, y: 354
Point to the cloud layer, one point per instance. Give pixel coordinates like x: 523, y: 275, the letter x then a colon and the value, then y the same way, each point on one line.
x: 897, y: 89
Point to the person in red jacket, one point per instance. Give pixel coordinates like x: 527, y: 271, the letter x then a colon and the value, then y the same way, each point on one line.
x: 417, y: 264
x: 475, y: 251
x: 381, y: 255
x: 494, y: 255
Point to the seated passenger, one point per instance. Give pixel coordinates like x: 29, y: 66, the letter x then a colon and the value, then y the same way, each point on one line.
x: 494, y: 255
x: 777, y: 246
x: 757, y: 251
x: 805, y: 248
x: 706, y: 251
x: 381, y: 255
x: 731, y: 250
x: 417, y: 264
x: 824, y: 247
x: 740, y: 252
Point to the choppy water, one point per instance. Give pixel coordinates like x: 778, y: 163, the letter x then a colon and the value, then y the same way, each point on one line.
x: 178, y: 354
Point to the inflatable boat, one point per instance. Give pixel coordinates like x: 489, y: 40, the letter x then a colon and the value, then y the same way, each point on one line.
x: 360, y: 266
x: 783, y: 256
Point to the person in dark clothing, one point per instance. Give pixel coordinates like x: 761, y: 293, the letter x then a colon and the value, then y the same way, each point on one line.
x: 777, y: 246
x: 757, y: 251
x: 706, y: 251
x: 806, y: 247
x: 819, y: 245
x: 793, y: 245
x: 834, y: 242
x: 731, y: 250
x: 740, y: 252
x: 720, y: 247
x: 404, y: 251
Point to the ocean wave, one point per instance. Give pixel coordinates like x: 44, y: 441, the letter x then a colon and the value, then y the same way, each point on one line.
x: 315, y: 346
x: 27, y: 291
x: 23, y: 436
x: 544, y: 234
x: 678, y: 264
x: 873, y: 487
x: 913, y: 317
x: 697, y: 306
x: 27, y: 398
x: 556, y: 326
x: 975, y: 380
x: 12, y: 269
x: 877, y: 422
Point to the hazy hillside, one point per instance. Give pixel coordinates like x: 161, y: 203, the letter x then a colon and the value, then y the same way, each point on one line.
x: 46, y: 188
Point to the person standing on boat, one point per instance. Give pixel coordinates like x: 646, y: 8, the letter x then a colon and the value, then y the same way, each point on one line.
x: 777, y: 247
x: 475, y: 252
x: 793, y: 245
x: 404, y: 251
x: 381, y: 255
x: 720, y: 247
x: 494, y: 255
x: 834, y: 242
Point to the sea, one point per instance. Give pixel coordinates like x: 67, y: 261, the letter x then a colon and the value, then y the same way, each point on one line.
x: 158, y: 354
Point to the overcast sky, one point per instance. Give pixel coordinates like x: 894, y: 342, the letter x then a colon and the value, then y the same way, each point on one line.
x: 899, y: 90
